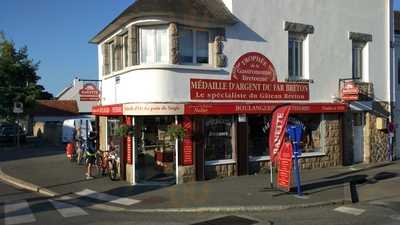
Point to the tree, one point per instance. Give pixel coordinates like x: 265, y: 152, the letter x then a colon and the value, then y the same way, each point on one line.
x: 18, y: 79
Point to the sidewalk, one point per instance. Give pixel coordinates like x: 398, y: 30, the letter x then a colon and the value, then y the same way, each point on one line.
x: 48, y: 168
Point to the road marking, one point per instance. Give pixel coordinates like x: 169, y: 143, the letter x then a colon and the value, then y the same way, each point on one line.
x: 67, y: 210
x: 350, y: 210
x: 107, y: 198
x: 17, y: 213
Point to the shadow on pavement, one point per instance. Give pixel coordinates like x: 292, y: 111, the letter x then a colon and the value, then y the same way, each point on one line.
x: 34, y: 152
x: 361, y: 170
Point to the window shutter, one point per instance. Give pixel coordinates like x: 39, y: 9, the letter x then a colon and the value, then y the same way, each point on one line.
x: 218, y: 49
x: 106, y: 59
x: 133, y: 45
x: 174, y: 45
x: 118, y: 53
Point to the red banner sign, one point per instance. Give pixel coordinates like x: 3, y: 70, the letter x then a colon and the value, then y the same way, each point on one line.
x: 350, y: 92
x: 236, y: 90
x: 285, y: 166
x: 253, y: 78
x: 254, y: 66
x: 187, y: 156
x: 129, y: 143
x: 108, y: 110
x: 278, y: 129
x: 89, y: 92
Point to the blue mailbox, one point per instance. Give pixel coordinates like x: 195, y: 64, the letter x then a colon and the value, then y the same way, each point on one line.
x: 295, y: 134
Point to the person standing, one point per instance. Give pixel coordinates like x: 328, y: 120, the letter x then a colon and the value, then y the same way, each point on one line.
x: 91, y: 155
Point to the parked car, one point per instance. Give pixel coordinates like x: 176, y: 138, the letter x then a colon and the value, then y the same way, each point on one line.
x: 8, y: 133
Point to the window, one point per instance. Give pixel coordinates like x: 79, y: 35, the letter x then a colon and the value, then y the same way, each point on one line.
x: 357, y: 57
x: 313, y: 131
x: 113, y: 56
x: 218, y: 138
x: 193, y: 46
x: 125, y: 50
x: 296, y: 55
x: 398, y: 71
x: 258, y: 135
x: 154, y: 47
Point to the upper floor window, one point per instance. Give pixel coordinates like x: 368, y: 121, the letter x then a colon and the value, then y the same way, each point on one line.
x: 113, y: 56
x: 360, y: 55
x: 296, y: 55
x: 125, y: 50
x: 193, y: 46
x: 357, y: 59
x: 154, y: 46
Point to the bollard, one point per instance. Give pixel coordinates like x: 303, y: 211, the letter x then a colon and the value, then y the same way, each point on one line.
x: 353, y: 192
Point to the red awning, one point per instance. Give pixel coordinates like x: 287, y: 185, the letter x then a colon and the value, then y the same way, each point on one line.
x: 201, y: 108
x: 261, y: 108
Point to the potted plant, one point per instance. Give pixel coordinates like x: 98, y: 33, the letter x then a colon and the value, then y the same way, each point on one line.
x: 124, y: 130
x: 176, y: 131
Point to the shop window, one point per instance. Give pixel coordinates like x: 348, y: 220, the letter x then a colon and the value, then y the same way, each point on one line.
x: 193, y: 46
x: 154, y: 47
x: 357, y: 59
x: 296, y: 55
x: 219, y: 132
x: 258, y: 135
x: 313, y: 131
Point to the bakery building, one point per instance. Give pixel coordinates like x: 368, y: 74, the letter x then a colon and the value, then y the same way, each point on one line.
x: 219, y: 68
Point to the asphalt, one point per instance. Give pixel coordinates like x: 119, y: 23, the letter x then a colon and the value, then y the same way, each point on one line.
x: 46, y: 170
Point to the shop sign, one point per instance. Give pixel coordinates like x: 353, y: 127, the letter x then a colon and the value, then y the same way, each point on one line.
x: 253, y: 78
x: 153, y: 109
x: 108, y: 110
x: 277, y: 132
x: 129, y: 143
x: 187, y: 156
x: 285, y: 167
x: 243, y: 108
x: 89, y: 92
x: 350, y: 92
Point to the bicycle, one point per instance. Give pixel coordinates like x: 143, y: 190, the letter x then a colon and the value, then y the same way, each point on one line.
x: 108, y: 162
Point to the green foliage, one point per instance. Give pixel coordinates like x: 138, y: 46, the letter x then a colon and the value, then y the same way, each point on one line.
x: 18, y: 79
x: 124, y: 130
x: 176, y: 131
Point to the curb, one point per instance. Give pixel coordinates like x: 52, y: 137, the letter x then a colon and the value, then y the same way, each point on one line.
x: 230, y: 209
x: 26, y: 185
x: 218, y: 209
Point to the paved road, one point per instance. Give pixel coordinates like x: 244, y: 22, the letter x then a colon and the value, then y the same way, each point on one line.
x: 23, y: 207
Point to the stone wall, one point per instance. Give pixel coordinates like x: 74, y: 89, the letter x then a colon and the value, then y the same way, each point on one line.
x: 378, y: 138
x: 187, y: 174
x: 218, y: 171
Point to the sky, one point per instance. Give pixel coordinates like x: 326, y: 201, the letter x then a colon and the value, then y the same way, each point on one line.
x: 57, y: 33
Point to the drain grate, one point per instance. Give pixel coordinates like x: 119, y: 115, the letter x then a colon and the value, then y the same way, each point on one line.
x: 228, y: 220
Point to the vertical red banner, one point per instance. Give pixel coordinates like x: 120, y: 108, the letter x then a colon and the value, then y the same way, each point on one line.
x: 129, y: 143
x: 285, y: 166
x: 277, y: 131
x: 187, y: 156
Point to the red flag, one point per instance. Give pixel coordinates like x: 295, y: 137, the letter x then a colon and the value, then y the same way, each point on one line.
x: 277, y: 131
x: 285, y: 166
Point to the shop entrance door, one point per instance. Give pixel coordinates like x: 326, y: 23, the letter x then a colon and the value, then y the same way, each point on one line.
x: 358, y: 137
x: 156, y: 160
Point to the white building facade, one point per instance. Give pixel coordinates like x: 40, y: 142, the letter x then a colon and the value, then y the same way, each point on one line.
x: 219, y: 68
